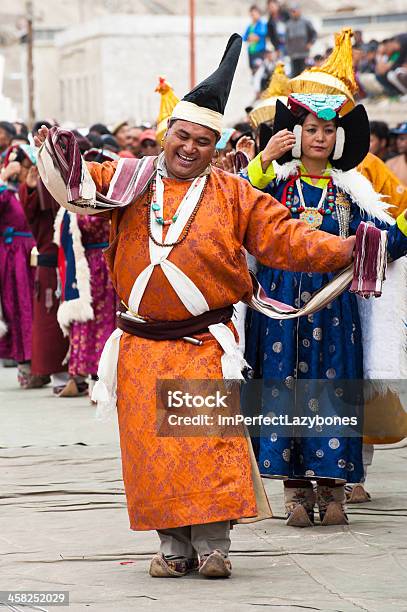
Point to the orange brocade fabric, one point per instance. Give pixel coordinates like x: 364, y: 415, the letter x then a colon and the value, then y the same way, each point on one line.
x: 171, y: 482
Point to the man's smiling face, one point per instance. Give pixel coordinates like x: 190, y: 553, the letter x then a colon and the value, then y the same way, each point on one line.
x: 188, y: 149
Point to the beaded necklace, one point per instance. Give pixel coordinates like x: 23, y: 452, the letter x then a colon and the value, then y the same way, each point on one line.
x: 150, y: 202
x: 310, y: 214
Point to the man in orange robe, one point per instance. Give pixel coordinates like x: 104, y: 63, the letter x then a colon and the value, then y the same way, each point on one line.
x: 189, y: 489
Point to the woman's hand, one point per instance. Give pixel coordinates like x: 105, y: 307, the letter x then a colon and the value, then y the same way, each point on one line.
x: 227, y: 162
x: 11, y: 170
x: 277, y: 146
x: 41, y: 136
x: 32, y: 178
x: 247, y: 146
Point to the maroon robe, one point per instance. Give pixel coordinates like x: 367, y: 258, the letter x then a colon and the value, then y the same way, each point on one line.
x: 49, y: 347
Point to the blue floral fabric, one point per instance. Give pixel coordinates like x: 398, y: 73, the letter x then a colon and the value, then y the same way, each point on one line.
x: 323, y: 346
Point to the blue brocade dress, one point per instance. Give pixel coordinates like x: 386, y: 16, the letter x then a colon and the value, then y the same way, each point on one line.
x: 326, y: 345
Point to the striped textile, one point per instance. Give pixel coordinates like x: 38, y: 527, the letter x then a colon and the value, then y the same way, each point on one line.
x: 68, y: 180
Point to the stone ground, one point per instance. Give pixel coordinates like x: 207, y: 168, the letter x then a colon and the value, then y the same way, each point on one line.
x: 63, y: 525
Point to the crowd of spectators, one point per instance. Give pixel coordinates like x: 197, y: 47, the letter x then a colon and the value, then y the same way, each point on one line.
x: 282, y: 33
x: 97, y: 143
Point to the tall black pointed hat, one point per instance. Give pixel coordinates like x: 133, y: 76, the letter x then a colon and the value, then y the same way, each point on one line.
x: 205, y: 104
x: 352, y: 133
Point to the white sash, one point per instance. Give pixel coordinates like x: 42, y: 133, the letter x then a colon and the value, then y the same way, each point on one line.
x: 104, y: 391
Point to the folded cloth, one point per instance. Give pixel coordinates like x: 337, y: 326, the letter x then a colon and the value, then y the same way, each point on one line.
x: 370, y: 264
x: 67, y: 178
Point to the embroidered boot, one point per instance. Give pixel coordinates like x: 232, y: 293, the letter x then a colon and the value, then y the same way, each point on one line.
x: 332, y: 505
x: 163, y: 567
x: 299, y: 504
x: 215, y: 565
x: 357, y: 494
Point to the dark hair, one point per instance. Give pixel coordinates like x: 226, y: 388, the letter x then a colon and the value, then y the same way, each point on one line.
x: 254, y: 7
x: 83, y: 142
x: 38, y: 124
x: 242, y: 126
x: 99, y: 128
x: 8, y: 128
x: 95, y: 139
x: 22, y: 129
x: 380, y: 129
x: 110, y: 142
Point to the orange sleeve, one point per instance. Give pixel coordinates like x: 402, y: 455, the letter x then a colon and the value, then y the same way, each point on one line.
x: 384, y: 181
x: 102, y: 174
x: 277, y: 240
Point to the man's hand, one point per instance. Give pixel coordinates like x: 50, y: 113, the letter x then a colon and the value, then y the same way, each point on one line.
x: 277, y: 146
x: 11, y: 170
x: 247, y: 146
x: 32, y: 177
x: 41, y: 136
x: 351, y: 243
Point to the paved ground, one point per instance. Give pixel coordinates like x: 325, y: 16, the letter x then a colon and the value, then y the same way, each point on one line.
x: 63, y: 525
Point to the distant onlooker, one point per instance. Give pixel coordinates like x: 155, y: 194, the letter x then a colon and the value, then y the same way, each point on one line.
x: 398, y: 164
x: 263, y: 74
x: 134, y: 140
x: 367, y: 62
x: 276, y: 25
x: 121, y: 133
x: 7, y: 133
x: 379, y: 139
x: 255, y: 35
x: 99, y: 128
x: 110, y: 143
x: 300, y: 36
x: 148, y: 143
x: 391, y: 65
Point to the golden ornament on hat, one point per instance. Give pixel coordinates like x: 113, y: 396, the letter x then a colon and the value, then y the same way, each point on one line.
x: 277, y: 89
x: 334, y: 76
x: 168, y: 102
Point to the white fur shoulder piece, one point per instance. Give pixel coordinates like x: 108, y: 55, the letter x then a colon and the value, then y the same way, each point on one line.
x: 285, y: 170
x: 361, y: 192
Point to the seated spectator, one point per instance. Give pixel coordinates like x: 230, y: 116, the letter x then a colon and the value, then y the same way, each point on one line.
x: 379, y: 139
x: 255, y: 35
x: 398, y: 164
x: 391, y: 65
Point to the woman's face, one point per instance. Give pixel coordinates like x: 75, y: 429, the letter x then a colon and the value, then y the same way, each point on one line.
x: 318, y: 138
x: 24, y: 168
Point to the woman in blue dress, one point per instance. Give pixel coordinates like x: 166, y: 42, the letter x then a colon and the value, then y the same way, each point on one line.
x: 315, y: 177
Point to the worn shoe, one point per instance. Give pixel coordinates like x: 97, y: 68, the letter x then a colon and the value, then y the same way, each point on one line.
x: 332, y: 505
x: 74, y: 389
x: 357, y: 494
x: 160, y: 567
x: 36, y: 381
x: 299, y: 506
x: 215, y: 565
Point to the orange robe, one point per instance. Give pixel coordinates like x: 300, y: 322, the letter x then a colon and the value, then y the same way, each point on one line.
x: 384, y: 181
x: 171, y: 482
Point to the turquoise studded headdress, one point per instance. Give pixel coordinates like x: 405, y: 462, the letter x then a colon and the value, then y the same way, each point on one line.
x: 352, y: 130
x: 323, y: 106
